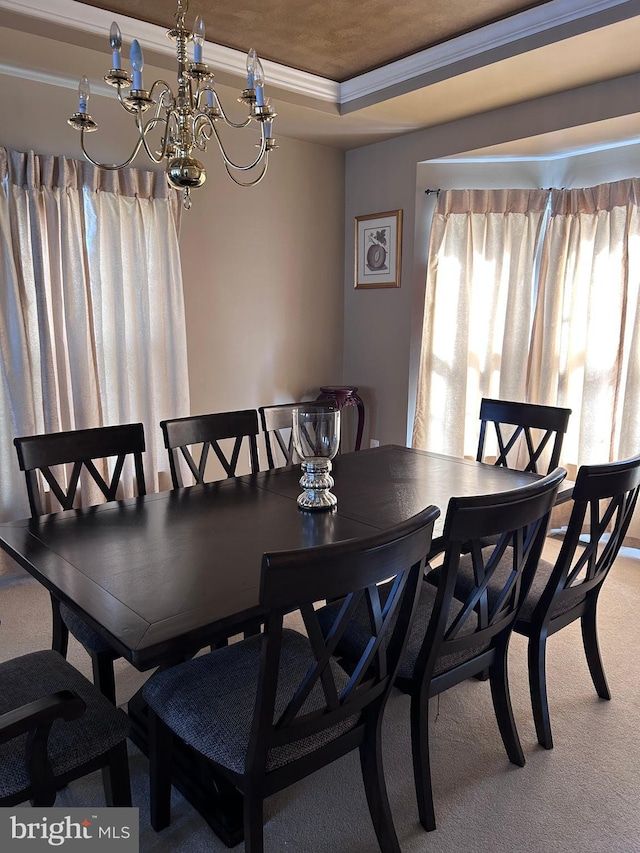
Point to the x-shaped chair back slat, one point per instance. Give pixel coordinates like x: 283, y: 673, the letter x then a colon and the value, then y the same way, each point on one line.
x: 194, y: 437
x: 277, y: 429
x: 198, y: 468
x: 382, y: 618
x: 486, y: 610
x: 50, y: 455
x: 66, y: 498
x: 350, y: 571
x: 523, y: 432
x: 277, y: 423
x: 604, y: 500
x: 534, y: 446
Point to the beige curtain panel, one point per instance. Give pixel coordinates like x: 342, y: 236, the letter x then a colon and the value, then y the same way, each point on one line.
x: 92, y: 327
x: 566, y: 336
x: 585, y: 352
x: 478, y: 311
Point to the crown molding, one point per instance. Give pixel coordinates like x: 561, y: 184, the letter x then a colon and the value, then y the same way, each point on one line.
x: 62, y: 81
x: 569, y: 154
x: 500, y: 34
x: 89, y: 19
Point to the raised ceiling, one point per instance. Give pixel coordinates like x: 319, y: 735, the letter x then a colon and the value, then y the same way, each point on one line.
x: 347, y: 72
x: 337, y: 39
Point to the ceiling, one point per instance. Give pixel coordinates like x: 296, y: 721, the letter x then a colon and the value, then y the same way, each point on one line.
x: 331, y: 38
x: 348, y: 72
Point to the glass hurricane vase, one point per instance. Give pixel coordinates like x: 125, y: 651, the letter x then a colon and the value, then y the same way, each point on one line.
x: 316, y: 437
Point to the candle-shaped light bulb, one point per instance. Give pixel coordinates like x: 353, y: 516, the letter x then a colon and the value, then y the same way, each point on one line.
x: 267, y: 128
x: 209, y: 98
x: 252, y: 58
x: 198, y: 39
x: 137, y: 63
x: 258, y: 83
x: 84, y: 91
x: 115, y: 42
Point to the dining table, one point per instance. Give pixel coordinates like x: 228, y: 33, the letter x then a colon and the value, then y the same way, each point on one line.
x: 164, y: 575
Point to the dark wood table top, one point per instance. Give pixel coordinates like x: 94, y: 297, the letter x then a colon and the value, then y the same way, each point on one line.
x: 159, y: 575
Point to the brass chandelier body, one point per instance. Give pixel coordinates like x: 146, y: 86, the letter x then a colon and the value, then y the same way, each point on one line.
x: 187, y: 119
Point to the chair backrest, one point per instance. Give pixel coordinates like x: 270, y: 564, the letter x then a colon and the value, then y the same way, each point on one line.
x: 482, y: 614
x: 278, y: 434
x: 351, y: 569
x: 180, y: 434
x: 604, y: 500
x: 83, y: 448
x: 513, y: 422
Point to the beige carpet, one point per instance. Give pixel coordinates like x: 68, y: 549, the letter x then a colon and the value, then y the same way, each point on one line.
x: 584, y: 795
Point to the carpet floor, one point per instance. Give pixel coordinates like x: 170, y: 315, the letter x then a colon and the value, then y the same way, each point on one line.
x: 582, y: 796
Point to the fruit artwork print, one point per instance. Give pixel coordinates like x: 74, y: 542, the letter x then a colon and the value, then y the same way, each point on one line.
x: 378, y: 244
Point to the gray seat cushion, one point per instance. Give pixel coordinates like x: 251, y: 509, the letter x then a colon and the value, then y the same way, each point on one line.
x: 209, y: 701
x: 89, y: 638
x: 541, y: 578
x: 359, y: 631
x: 101, y: 727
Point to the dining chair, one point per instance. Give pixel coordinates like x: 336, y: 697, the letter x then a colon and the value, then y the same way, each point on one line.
x: 182, y: 435
x: 452, y: 640
x: 55, y: 727
x: 604, y: 499
x: 270, y: 710
x: 87, y: 450
x: 523, y: 431
x: 277, y: 422
x: 206, y: 432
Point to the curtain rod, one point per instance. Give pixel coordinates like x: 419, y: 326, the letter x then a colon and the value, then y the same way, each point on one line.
x: 438, y: 191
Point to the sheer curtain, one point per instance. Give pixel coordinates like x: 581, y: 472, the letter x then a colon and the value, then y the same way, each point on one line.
x: 586, y: 340
x: 92, y: 328
x: 478, y: 311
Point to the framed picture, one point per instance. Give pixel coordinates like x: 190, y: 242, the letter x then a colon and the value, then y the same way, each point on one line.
x: 378, y: 249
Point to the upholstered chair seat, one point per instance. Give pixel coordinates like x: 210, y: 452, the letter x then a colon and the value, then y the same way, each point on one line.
x: 209, y: 701
x: 73, y: 744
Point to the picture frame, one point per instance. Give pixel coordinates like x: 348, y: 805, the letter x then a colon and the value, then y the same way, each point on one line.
x: 378, y: 250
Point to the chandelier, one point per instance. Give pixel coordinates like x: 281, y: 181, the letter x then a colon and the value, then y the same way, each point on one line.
x: 186, y: 120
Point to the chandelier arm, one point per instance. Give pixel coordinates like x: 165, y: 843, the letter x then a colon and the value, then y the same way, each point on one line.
x: 223, y: 115
x: 249, y: 183
x: 143, y: 130
x: 230, y: 164
x: 167, y: 88
x: 131, y: 110
x: 201, y: 128
x: 114, y: 167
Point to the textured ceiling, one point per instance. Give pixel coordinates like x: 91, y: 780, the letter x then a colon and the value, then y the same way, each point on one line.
x: 337, y: 39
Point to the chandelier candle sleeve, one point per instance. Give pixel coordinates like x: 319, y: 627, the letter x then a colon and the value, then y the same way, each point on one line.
x: 258, y: 82
x: 252, y: 57
x: 84, y: 92
x: 198, y: 39
x: 175, y: 124
x: 115, y: 42
x: 137, y: 63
